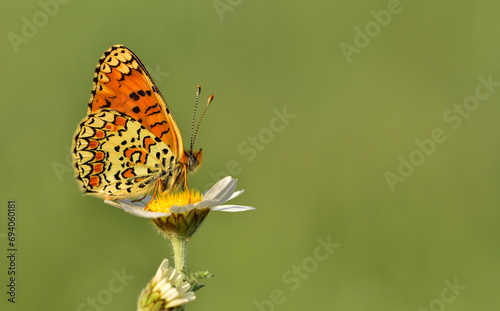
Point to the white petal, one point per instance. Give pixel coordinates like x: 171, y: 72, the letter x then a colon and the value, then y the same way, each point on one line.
x: 235, y: 194
x: 232, y: 208
x: 202, y: 204
x: 177, y: 302
x: 113, y: 203
x: 182, y: 209
x: 183, y: 288
x: 137, y: 211
x: 141, y: 203
x: 190, y: 296
x: 161, y: 270
x: 213, y: 192
x: 163, y: 286
x: 207, y: 203
x: 169, y: 292
x: 222, y: 190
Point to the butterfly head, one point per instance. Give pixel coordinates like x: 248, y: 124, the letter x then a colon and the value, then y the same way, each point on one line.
x: 193, y: 160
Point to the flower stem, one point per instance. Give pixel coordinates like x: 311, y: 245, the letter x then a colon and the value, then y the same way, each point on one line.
x: 179, y: 246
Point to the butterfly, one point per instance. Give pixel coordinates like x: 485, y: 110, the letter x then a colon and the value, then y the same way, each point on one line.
x: 129, y: 144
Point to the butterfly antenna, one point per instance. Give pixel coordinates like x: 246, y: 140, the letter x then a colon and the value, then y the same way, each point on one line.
x: 210, y: 99
x: 198, y: 92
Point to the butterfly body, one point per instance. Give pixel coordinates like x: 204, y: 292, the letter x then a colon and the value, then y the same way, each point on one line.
x: 129, y: 144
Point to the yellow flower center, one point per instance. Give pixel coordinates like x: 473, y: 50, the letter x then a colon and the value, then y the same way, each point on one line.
x: 163, y: 202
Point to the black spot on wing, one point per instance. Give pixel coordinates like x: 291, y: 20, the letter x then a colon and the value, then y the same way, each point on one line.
x: 158, y: 123
x: 164, y: 132
x: 134, y: 96
x: 150, y: 108
x: 155, y: 112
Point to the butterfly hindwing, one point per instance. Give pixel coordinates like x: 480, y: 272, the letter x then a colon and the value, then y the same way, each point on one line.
x: 117, y: 157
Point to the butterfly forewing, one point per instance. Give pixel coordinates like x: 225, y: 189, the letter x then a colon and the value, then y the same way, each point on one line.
x: 122, y: 83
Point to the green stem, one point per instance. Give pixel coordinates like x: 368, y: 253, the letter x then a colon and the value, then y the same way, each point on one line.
x: 179, y: 246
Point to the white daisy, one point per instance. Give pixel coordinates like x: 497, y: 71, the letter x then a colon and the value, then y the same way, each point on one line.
x: 182, y: 212
x: 165, y: 291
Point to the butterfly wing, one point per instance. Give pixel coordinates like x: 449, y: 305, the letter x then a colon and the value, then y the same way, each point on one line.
x: 122, y: 83
x: 129, y: 139
x: 117, y: 157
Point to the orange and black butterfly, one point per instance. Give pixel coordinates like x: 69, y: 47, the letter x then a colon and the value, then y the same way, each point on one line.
x: 129, y: 144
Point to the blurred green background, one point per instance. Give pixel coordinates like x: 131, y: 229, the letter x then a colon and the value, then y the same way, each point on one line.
x: 364, y: 85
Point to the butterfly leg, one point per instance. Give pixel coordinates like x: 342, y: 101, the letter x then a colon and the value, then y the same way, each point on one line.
x: 159, y: 188
x: 139, y: 199
x: 185, y: 173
